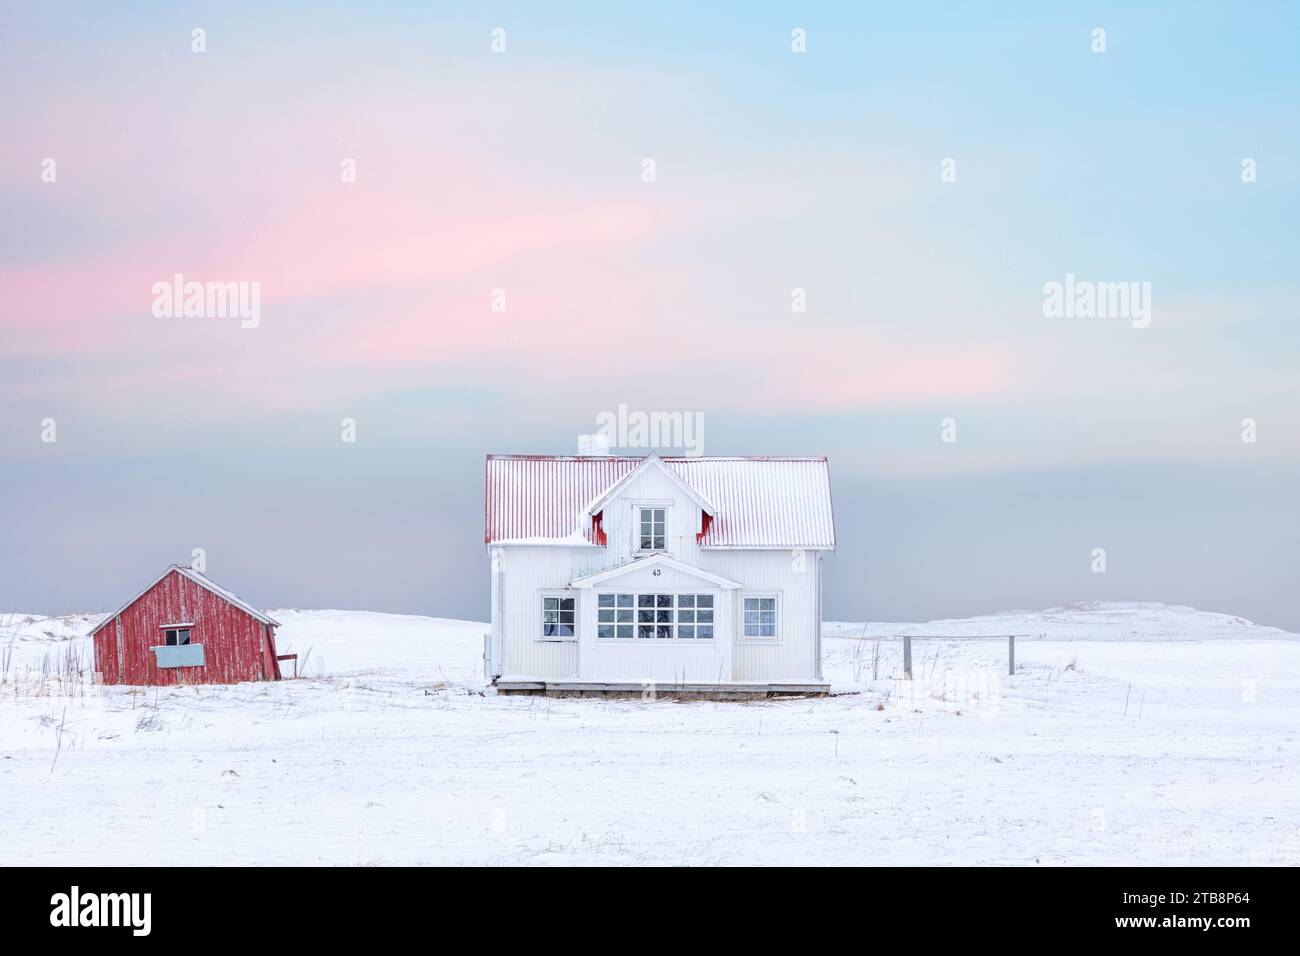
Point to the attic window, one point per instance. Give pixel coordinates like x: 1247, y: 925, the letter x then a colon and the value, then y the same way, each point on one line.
x: 652, y: 535
x: 176, y: 636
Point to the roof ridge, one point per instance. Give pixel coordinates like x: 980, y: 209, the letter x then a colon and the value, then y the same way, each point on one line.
x: 188, y: 571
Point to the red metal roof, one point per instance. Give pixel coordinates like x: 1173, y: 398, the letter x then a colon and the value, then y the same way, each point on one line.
x: 760, y: 502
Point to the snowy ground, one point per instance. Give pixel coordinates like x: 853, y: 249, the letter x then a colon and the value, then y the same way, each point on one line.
x: 1134, y: 734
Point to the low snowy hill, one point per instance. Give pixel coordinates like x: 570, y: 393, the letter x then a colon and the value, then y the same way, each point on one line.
x: 362, y: 642
x: 1087, y: 621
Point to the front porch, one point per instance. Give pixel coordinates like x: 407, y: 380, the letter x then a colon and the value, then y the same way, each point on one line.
x: 672, y: 690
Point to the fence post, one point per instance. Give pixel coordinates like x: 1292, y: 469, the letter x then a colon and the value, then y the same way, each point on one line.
x: 1011, y: 653
x: 907, y: 656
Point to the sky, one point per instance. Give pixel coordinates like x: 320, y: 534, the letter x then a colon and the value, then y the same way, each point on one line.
x: 475, y: 228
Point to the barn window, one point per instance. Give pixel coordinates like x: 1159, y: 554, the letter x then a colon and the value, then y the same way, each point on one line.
x: 760, y: 616
x: 176, y: 636
x: 558, y: 616
x: 655, y: 616
x: 652, y: 535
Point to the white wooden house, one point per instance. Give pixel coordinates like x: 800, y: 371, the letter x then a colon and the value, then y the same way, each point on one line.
x: 617, y: 575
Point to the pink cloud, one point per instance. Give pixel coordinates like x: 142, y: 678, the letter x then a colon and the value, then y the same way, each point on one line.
x: 385, y: 283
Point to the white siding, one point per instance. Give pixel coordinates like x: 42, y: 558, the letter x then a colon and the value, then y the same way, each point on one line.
x: 654, y: 659
x: 529, y: 570
x: 793, y: 655
x: 526, y: 572
x: 645, y: 659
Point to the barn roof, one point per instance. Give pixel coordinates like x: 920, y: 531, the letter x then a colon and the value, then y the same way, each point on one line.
x: 203, y: 582
x: 756, y: 502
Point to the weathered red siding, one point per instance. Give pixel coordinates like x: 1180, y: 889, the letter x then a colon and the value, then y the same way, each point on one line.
x: 236, y: 646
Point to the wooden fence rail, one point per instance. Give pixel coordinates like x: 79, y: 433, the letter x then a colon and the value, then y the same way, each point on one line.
x: 907, y: 648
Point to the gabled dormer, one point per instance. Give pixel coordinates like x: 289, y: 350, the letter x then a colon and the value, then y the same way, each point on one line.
x: 650, y: 510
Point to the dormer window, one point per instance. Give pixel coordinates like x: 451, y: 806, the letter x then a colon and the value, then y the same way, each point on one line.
x: 653, y: 536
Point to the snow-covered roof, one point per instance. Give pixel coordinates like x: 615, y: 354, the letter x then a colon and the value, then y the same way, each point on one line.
x: 202, y: 581
x: 757, y: 502
x: 650, y: 461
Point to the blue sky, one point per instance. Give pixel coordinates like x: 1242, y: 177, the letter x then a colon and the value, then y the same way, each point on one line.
x: 775, y: 171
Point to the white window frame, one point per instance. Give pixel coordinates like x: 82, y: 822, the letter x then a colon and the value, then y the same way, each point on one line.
x: 637, y: 641
x: 637, y: 508
x: 778, y: 629
x: 542, y: 595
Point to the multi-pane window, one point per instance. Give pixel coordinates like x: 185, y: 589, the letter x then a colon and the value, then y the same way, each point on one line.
x: 760, y: 617
x: 652, y: 537
x: 557, y: 617
x: 176, y: 636
x: 655, y: 616
x: 615, y: 615
x: 695, y: 615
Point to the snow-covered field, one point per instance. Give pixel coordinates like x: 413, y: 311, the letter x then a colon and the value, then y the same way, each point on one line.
x: 1138, y: 734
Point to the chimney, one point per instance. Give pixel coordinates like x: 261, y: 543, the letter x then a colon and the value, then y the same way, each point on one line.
x: 594, y: 446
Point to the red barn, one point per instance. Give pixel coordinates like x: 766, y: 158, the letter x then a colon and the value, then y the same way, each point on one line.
x: 183, y: 629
